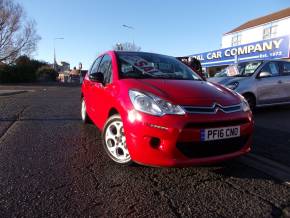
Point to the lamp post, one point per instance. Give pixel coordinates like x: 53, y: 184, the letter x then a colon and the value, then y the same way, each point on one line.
x: 129, y: 28
x: 54, y: 56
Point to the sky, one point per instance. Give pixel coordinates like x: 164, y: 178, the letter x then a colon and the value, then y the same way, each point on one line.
x: 171, y: 27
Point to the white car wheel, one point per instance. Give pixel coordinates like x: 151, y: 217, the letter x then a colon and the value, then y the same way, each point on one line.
x: 115, y: 141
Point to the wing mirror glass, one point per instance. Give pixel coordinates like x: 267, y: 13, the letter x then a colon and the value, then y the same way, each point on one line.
x: 264, y: 74
x: 97, y: 77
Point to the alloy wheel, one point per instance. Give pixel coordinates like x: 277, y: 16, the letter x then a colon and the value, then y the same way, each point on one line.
x: 115, y: 141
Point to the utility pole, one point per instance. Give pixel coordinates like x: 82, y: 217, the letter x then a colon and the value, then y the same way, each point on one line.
x: 54, y: 55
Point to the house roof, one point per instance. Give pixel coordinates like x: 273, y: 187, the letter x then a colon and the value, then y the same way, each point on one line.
x: 262, y: 20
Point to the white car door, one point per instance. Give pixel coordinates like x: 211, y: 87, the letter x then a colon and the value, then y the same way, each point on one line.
x: 270, y: 89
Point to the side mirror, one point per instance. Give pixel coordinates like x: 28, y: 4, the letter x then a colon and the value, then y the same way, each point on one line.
x: 97, y: 77
x: 264, y: 74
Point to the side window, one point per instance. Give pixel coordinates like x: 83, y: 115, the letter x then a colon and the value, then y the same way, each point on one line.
x: 106, y: 69
x: 109, y: 74
x: 286, y: 68
x: 95, y: 66
x: 272, y: 68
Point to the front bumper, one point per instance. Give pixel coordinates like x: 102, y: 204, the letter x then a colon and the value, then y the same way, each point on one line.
x: 174, y: 140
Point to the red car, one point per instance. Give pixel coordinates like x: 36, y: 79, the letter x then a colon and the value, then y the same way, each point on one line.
x: 154, y: 110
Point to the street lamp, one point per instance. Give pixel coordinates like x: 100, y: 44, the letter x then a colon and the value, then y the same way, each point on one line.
x: 54, y: 57
x: 129, y: 28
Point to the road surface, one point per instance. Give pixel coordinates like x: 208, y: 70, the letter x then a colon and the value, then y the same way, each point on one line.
x: 53, y: 165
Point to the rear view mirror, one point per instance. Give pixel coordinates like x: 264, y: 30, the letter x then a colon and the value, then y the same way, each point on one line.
x: 97, y: 77
x: 264, y: 74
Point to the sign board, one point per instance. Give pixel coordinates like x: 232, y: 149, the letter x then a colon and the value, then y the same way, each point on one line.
x: 275, y: 48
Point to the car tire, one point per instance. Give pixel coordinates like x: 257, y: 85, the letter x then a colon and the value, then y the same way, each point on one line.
x: 114, y: 141
x: 84, y: 115
x: 251, y: 101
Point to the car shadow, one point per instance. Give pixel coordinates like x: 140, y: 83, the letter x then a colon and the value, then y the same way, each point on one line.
x: 271, y: 109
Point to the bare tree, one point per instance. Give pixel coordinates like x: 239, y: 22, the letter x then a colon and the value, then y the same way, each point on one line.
x: 126, y: 46
x: 17, y: 33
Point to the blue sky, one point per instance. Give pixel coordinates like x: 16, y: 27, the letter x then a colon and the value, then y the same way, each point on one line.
x: 172, y: 27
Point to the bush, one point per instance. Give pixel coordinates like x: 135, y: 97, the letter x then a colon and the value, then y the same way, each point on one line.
x: 8, y: 74
x: 23, y: 70
x: 16, y: 74
x: 46, y: 73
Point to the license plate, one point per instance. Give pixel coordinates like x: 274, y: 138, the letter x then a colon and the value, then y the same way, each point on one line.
x: 220, y: 133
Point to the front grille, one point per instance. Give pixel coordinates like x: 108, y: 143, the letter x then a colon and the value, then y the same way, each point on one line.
x: 213, y: 109
x: 211, y: 148
x: 215, y: 124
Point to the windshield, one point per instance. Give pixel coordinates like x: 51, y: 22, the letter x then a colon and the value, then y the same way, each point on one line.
x: 140, y: 65
x: 248, y: 68
x: 240, y: 70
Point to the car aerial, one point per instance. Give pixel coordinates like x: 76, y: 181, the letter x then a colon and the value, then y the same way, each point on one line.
x: 154, y: 110
x: 262, y: 83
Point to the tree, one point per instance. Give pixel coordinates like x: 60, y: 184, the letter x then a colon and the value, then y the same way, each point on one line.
x: 126, y: 46
x: 46, y: 73
x: 17, y: 33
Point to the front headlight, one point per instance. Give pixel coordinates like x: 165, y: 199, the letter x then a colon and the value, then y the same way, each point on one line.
x: 233, y: 85
x: 244, y: 104
x: 151, y: 104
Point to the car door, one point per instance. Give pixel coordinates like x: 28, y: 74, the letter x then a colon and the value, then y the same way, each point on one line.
x: 88, y: 87
x: 285, y: 79
x: 269, y: 89
x: 101, y: 91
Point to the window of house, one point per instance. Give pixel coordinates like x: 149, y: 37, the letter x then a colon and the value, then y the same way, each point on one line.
x: 274, y: 31
x: 236, y: 39
x: 270, y: 32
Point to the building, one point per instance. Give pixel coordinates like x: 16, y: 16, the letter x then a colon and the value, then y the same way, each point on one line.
x: 61, y: 67
x: 267, y: 27
x: 63, y: 70
x: 263, y: 38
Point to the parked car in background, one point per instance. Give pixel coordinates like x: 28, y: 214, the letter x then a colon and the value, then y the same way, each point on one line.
x: 262, y: 83
x: 154, y: 110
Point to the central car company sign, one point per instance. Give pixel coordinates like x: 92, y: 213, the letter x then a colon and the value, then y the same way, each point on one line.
x: 275, y: 48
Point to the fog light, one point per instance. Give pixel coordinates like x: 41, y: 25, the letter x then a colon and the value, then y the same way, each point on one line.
x: 155, y: 142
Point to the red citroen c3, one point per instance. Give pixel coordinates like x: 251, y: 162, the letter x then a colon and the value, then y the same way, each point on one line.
x: 154, y: 110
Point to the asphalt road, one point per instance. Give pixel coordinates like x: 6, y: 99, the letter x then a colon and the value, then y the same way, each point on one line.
x: 53, y: 165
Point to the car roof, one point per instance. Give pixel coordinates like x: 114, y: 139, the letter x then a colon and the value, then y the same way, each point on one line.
x: 139, y: 52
